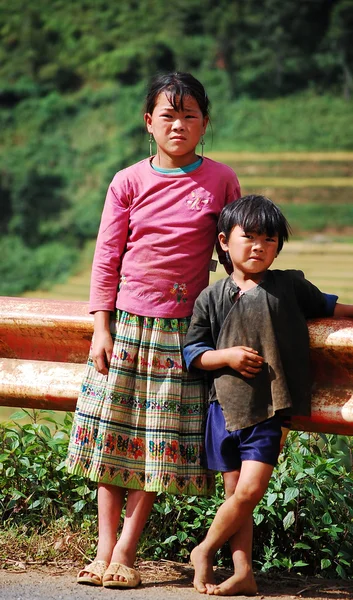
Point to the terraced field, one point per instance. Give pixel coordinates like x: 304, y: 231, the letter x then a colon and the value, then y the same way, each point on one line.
x: 289, y: 177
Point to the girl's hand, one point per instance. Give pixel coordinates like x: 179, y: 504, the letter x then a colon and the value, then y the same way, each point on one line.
x: 244, y: 360
x: 102, y: 348
x: 102, y: 343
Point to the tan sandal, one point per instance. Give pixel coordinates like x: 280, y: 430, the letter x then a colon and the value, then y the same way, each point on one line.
x: 96, y: 568
x: 132, y: 576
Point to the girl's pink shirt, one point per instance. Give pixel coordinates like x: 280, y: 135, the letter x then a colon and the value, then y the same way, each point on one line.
x: 156, y: 238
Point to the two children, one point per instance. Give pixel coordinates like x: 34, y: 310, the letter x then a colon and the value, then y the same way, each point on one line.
x: 249, y: 330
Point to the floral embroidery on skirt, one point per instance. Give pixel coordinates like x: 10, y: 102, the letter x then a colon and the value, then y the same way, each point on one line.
x: 142, y: 426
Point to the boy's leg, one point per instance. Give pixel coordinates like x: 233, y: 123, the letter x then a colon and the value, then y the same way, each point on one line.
x: 229, y: 519
x: 241, y: 547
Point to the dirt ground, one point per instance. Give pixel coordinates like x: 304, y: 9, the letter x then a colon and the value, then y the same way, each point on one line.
x: 162, y: 579
x: 281, y: 587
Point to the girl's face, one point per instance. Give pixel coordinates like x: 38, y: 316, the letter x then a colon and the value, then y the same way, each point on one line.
x: 251, y: 253
x: 176, y: 133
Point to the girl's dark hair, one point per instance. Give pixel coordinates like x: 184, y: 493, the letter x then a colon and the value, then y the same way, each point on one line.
x: 177, y: 86
x: 255, y: 213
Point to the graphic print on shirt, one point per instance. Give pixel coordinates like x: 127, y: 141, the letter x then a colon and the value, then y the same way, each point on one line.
x: 180, y: 291
x: 198, y: 199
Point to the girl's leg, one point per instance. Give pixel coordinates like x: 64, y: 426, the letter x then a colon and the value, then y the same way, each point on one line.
x: 138, y: 507
x: 230, y: 517
x: 110, y: 504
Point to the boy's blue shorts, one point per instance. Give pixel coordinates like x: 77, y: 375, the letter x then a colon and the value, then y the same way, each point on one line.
x: 226, y: 450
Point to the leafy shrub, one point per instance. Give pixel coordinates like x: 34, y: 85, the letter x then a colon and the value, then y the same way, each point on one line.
x: 23, y: 268
x: 303, y: 524
x: 305, y: 521
x: 35, y: 488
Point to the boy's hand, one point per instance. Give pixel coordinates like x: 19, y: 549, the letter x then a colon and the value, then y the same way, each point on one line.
x: 240, y: 358
x: 244, y: 360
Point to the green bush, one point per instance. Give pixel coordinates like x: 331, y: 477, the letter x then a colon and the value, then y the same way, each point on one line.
x: 35, y: 488
x: 305, y: 521
x: 23, y: 268
x: 303, y: 524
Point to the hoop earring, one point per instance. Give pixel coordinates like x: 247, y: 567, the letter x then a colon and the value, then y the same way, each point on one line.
x: 150, y: 140
x: 202, y: 142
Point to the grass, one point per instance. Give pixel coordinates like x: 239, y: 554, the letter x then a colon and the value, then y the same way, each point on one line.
x: 58, y: 544
x: 300, y: 122
x: 227, y: 156
x: 298, y: 182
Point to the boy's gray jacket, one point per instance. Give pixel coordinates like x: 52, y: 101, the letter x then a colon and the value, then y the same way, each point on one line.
x: 270, y: 318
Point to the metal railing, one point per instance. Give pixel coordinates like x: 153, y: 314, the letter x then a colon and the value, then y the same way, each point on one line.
x: 44, y: 346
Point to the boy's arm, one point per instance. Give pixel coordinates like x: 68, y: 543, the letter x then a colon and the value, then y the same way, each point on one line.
x: 239, y: 358
x: 201, y: 340
x: 343, y: 310
x: 199, y: 336
x: 313, y: 302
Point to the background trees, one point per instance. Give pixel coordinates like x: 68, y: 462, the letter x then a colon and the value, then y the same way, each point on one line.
x: 72, y: 82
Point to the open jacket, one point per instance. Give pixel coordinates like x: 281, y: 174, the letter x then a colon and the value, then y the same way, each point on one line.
x: 270, y: 318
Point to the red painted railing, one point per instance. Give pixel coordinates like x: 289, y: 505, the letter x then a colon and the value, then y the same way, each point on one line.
x: 44, y: 346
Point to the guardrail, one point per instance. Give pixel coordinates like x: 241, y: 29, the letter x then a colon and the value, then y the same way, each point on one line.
x: 44, y: 346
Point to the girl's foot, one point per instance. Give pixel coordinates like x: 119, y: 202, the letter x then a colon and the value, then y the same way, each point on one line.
x: 93, y: 573
x: 122, y: 557
x: 204, y: 581
x: 104, y: 554
x: 237, y: 586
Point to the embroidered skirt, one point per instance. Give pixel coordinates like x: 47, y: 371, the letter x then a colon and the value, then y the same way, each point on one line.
x: 142, y: 426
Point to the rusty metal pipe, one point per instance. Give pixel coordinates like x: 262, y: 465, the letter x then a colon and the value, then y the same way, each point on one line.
x: 39, y: 384
x: 44, y: 345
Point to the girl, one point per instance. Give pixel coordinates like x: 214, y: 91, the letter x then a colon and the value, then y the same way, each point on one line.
x: 139, y: 419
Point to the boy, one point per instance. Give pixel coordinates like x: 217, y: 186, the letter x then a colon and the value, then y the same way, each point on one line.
x: 250, y: 331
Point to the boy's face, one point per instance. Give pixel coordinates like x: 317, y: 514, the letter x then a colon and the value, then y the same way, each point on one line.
x: 251, y: 253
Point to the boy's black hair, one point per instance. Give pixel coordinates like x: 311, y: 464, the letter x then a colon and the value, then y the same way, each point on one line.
x: 177, y: 86
x: 255, y: 213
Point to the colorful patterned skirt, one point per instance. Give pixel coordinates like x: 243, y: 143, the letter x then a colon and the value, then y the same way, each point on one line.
x: 142, y: 426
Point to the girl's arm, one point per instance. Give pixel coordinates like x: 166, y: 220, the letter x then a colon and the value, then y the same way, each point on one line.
x: 343, y: 310
x: 102, y: 343
x: 110, y: 247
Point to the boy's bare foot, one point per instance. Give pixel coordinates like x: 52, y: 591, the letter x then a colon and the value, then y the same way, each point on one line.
x: 204, y: 581
x: 236, y: 586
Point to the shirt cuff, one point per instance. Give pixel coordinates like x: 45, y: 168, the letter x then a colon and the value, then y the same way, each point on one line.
x: 194, y: 350
x: 331, y: 301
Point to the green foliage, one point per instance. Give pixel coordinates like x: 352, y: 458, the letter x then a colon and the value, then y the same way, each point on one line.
x: 22, y: 268
x: 305, y: 521
x: 35, y: 489
x: 266, y: 49
x: 317, y: 217
x: 178, y: 523
x: 73, y: 78
x: 300, y: 122
x: 304, y: 524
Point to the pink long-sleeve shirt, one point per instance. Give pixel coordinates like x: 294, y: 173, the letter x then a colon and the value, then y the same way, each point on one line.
x: 156, y: 238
